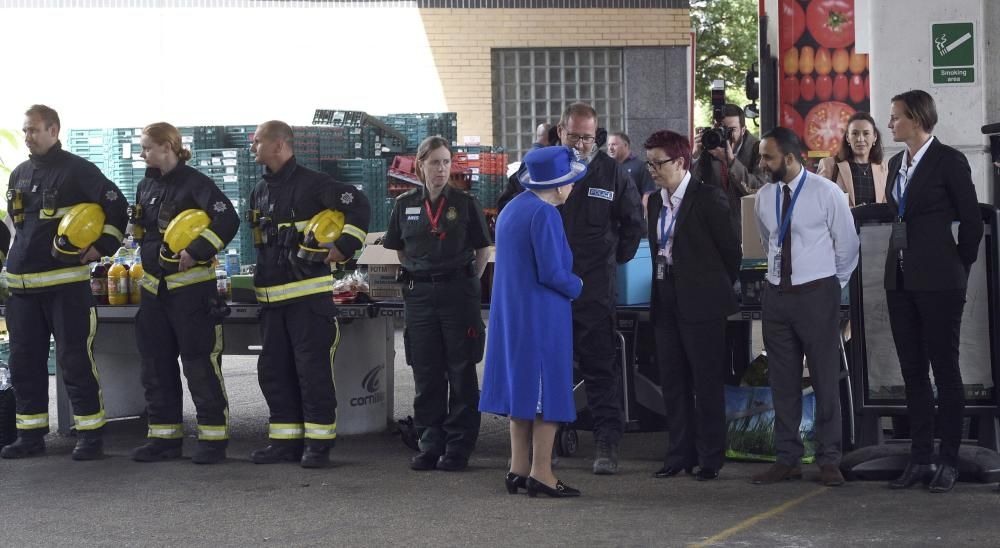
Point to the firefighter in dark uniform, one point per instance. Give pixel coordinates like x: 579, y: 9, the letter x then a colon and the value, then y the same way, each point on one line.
x: 604, y: 223
x: 294, y: 285
x: 442, y: 239
x: 180, y: 312
x: 49, y: 283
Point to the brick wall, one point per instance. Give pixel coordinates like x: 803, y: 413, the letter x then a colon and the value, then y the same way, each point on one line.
x: 461, y: 42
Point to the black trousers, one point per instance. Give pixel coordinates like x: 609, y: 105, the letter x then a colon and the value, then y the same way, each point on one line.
x: 66, y: 313
x: 925, y: 328
x: 178, y: 323
x: 594, y: 350
x: 444, y: 340
x: 295, y: 369
x: 693, y: 365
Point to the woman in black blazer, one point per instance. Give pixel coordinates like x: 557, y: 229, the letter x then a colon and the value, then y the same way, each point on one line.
x: 696, y: 258
x: 926, y: 273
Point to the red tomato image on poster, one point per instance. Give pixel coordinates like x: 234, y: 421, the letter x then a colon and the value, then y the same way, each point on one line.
x: 793, y: 23
x: 857, y: 89
x: 824, y: 88
x: 831, y: 22
x: 825, y: 125
x: 791, y: 119
x: 840, y: 87
x: 807, y: 88
x: 790, y: 90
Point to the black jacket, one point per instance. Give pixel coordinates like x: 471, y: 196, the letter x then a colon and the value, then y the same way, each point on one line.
x: 73, y: 181
x: 604, y: 224
x: 294, y: 194
x: 744, y: 177
x: 706, y: 253
x: 184, y: 187
x: 941, y: 192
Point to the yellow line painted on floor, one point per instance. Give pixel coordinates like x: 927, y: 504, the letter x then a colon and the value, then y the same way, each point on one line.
x: 751, y: 521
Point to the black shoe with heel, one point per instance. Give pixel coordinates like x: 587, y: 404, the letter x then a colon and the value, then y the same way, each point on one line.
x: 944, y: 479
x: 534, y: 487
x: 912, y: 475
x: 513, y: 482
x: 706, y: 474
x: 671, y: 471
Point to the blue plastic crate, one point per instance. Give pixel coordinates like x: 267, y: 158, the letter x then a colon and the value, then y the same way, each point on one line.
x: 635, y: 278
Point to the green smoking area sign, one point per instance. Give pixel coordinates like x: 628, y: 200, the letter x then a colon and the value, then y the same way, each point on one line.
x: 953, y: 53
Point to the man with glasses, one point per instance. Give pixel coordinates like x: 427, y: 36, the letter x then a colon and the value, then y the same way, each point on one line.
x: 604, y: 223
x: 734, y: 166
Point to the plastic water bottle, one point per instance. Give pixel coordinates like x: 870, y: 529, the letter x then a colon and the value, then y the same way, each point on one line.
x: 4, y: 377
x: 232, y: 263
x: 118, y: 279
x: 135, y: 274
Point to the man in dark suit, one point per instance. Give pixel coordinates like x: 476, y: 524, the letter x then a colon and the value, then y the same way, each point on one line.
x: 926, y: 275
x: 696, y: 258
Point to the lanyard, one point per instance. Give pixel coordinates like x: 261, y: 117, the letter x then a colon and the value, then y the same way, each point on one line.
x: 666, y: 231
x: 901, y: 196
x: 435, y: 217
x: 785, y: 226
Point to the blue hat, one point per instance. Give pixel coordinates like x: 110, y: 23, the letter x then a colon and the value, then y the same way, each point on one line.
x: 551, y: 167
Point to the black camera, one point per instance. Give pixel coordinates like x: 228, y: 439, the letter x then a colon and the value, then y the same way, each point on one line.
x: 712, y: 138
x: 716, y: 137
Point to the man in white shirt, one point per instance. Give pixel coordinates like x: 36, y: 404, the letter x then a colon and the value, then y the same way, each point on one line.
x: 812, y: 248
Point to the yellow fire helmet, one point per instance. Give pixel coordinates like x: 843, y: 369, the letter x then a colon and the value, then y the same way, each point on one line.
x: 77, y: 231
x: 320, y: 233
x: 181, y: 231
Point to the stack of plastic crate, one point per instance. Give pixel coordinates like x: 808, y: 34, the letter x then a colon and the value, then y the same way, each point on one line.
x: 369, y: 176
x: 235, y: 173
x: 367, y: 136
x: 417, y: 126
x: 485, y: 171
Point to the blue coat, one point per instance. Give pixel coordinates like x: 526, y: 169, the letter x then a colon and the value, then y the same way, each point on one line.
x: 531, y: 323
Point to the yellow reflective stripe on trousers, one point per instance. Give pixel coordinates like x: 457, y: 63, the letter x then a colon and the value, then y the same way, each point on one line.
x: 166, y: 431
x: 286, y: 431
x: 31, y: 422
x: 97, y: 420
x: 206, y: 432
x: 90, y: 422
x: 213, y: 239
x: 321, y: 431
x: 333, y: 355
x: 192, y: 276
x: 113, y: 231
x: 149, y: 283
x: 294, y: 290
x: 57, y: 214
x: 352, y: 230
x: 49, y: 278
x: 216, y: 360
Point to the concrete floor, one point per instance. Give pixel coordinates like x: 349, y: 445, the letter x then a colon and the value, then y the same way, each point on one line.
x: 371, y: 498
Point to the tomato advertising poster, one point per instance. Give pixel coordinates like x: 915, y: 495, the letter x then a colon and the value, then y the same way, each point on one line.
x: 823, y: 80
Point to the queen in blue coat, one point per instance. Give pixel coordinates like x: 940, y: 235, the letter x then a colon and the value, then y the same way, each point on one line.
x: 529, y: 357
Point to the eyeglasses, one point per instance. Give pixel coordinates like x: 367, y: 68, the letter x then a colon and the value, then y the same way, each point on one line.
x: 655, y: 164
x: 573, y: 138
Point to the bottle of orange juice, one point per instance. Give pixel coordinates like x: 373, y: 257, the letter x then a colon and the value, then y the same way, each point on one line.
x: 118, y: 280
x: 135, y: 274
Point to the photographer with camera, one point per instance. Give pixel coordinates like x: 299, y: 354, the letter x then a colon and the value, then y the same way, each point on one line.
x: 732, y: 160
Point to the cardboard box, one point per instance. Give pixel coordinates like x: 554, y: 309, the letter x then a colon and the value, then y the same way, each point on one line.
x: 383, y: 265
x: 752, y: 248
